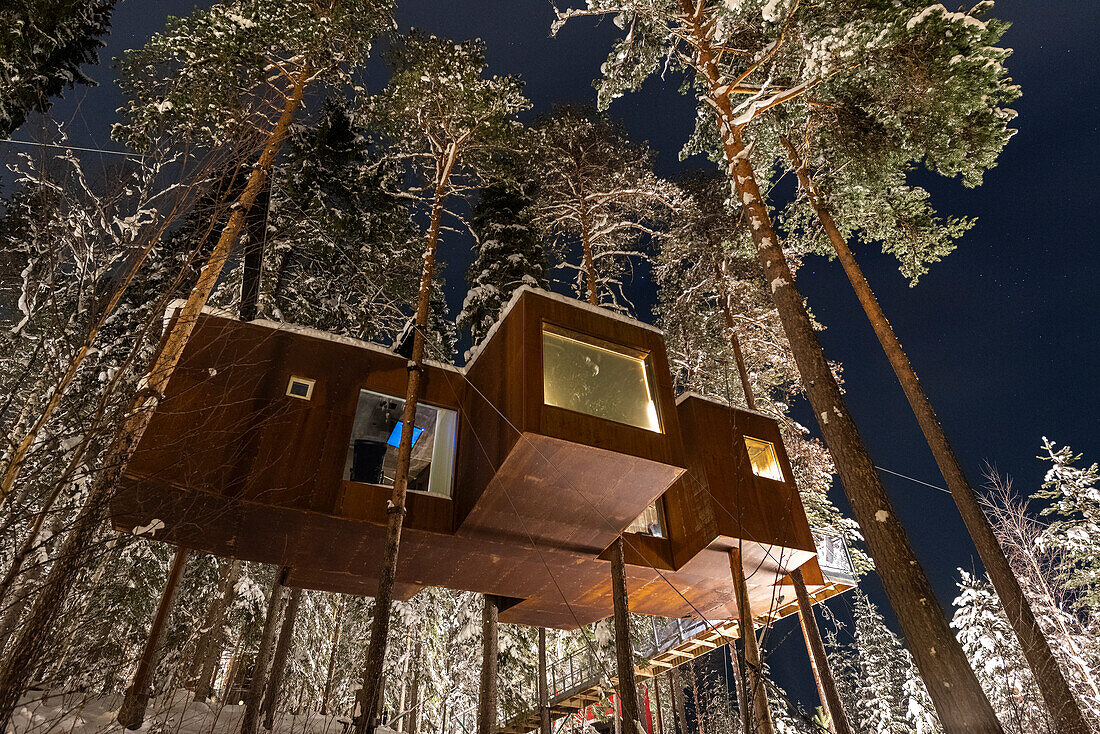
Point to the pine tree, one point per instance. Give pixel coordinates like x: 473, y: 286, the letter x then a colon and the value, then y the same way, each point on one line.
x: 599, y: 202
x: 444, y: 121
x: 744, y: 60
x: 509, y: 255
x: 44, y: 45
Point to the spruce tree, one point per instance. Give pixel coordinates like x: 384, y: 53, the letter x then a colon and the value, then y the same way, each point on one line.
x: 509, y: 254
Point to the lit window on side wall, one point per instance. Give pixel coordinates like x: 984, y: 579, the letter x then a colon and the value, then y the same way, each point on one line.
x: 650, y: 522
x: 763, y: 459
x: 598, y: 378
x: 376, y: 436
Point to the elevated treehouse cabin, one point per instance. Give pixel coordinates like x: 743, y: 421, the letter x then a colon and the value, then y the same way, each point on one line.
x: 278, y: 444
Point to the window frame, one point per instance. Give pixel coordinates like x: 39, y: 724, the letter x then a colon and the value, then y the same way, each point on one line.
x: 644, y: 356
x: 451, y: 453
x: 774, y: 455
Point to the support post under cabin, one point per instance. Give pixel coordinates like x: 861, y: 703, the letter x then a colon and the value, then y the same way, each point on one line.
x: 131, y: 714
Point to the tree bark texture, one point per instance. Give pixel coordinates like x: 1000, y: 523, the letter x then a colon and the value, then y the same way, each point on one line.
x: 657, y: 704
x: 744, y: 706
x: 544, y: 687
x: 414, y: 696
x: 819, y: 662
x: 278, y: 663
x: 624, y: 647
x: 488, y: 695
x: 754, y: 669
x: 131, y: 714
x: 960, y: 702
x: 697, y: 700
x: 263, y: 656
x: 676, y: 690
x: 256, y: 229
x: 383, y: 599
x: 338, y: 627
x: 27, y: 650
x: 735, y: 342
x: 1057, y: 694
x: 209, y: 651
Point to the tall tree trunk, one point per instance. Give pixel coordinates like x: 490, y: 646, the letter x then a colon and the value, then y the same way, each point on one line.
x: 338, y: 627
x: 263, y: 656
x: 487, y: 697
x: 209, y: 650
x: 676, y: 690
x: 1057, y: 694
x: 624, y: 647
x: 696, y: 700
x: 414, y: 696
x: 544, y: 687
x: 395, y: 510
x: 131, y: 714
x: 34, y: 635
x: 407, y: 657
x: 735, y: 342
x: 754, y: 669
x: 589, y: 258
x: 744, y: 706
x: 819, y: 662
x: 254, y: 255
x: 960, y: 702
x: 657, y: 704
x: 278, y: 663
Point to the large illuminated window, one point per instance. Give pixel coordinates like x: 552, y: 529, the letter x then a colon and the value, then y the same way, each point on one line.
x: 763, y: 459
x: 376, y: 435
x: 650, y: 522
x: 598, y: 378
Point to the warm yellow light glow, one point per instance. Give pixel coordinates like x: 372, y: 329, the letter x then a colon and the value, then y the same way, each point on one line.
x: 763, y: 459
x: 598, y: 379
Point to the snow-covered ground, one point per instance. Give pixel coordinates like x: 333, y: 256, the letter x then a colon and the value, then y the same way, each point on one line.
x: 177, y: 713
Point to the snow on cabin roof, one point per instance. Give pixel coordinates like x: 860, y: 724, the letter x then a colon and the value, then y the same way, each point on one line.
x: 306, y: 331
x: 475, y: 351
x: 719, y: 401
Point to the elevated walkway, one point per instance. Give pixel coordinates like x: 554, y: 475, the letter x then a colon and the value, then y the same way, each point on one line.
x: 575, y: 681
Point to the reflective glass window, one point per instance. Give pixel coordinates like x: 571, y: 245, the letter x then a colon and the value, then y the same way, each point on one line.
x: 597, y: 378
x: 763, y: 459
x: 650, y: 522
x: 376, y: 435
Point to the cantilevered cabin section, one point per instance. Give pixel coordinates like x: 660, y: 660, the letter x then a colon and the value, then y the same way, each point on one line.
x: 277, y: 444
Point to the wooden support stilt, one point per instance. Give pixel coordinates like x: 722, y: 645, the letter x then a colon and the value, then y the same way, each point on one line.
x: 278, y: 663
x: 131, y: 714
x: 657, y: 703
x: 624, y: 649
x: 826, y: 684
x: 544, y: 687
x: 696, y: 700
x: 744, y: 705
x: 414, y: 695
x: 263, y: 656
x: 754, y: 672
x: 487, y: 695
x: 338, y: 626
x: 676, y: 688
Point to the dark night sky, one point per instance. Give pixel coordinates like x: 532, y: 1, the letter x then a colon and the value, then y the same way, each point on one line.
x: 1002, y: 332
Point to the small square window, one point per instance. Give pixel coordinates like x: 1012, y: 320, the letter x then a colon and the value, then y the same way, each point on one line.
x: 300, y: 387
x: 763, y: 459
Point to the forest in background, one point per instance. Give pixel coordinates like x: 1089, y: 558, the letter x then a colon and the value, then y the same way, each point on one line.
x: 266, y: 181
